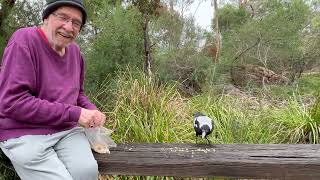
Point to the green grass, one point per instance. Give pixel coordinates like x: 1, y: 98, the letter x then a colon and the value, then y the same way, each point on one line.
x: 143, y: 110
x: 309, y: 84
x: 236, y: 121
x: 298, y: 122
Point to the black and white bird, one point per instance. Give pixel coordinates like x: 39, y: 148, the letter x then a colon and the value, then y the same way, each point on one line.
x: 203, y: 125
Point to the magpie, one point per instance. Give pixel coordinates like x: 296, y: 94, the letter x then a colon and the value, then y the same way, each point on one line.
x: 203, y: 125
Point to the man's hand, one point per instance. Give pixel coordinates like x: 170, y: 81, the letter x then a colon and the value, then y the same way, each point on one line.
x: 99, y: 119
x: 91, y: 118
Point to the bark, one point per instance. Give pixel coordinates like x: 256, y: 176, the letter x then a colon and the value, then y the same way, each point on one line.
x: 147, y: 47
x: 171, y: 5
x: 243, y: 161
x: 242, y: 3
x: 217, y: 32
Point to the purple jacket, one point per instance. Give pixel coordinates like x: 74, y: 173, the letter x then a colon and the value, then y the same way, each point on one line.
x: 40, y: 91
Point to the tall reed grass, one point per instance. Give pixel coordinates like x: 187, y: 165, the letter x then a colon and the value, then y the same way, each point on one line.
x: 144, y: 110
x: 301, y: 124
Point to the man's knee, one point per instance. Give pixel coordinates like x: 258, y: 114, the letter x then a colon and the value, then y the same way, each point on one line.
x: 86, y: 171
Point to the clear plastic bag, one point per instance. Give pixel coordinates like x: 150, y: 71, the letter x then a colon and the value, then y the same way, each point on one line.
x: 99, y: 139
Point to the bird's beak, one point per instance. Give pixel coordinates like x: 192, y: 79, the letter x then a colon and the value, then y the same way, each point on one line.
x: 203, y: 134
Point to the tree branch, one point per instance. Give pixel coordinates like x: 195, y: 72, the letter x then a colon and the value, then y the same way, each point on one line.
x: 244, y: 51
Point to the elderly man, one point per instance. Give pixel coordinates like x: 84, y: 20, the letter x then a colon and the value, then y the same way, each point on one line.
x: 43, y: 107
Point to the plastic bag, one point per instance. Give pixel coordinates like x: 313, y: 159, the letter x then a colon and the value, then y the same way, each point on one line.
x: 99, y: 139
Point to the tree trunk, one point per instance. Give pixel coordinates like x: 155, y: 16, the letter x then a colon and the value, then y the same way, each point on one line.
x: 242, y: 3
x: 147, y: 48
x: 171, y: 3
x: 217, y: 31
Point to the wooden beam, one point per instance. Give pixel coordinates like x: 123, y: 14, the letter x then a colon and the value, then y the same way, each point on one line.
x: 281, y: 161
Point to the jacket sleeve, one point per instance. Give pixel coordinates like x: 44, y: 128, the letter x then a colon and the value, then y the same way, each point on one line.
x: 18, y: 89
x: 83, y: 100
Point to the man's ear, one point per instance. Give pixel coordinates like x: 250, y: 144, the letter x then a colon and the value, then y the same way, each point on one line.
x: 45, y: 21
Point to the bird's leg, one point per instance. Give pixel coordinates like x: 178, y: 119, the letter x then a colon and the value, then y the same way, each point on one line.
x: 208, y: 140
x: 196, y: 139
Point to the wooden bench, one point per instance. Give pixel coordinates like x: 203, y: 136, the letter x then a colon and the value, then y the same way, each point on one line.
x: 276, y: 161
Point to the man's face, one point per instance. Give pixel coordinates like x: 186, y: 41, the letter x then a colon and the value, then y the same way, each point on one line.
x: 63, y: 26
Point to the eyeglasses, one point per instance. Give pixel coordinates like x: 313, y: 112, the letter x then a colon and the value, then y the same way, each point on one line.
x: 64, y: 19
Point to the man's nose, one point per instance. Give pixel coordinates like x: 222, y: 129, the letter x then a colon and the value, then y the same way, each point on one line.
x: 68, y: 25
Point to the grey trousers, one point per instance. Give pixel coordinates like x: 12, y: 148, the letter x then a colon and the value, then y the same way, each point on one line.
x: 61, y: 156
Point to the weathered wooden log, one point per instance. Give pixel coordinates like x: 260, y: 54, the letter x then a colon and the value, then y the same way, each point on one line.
x: 276, y: 161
